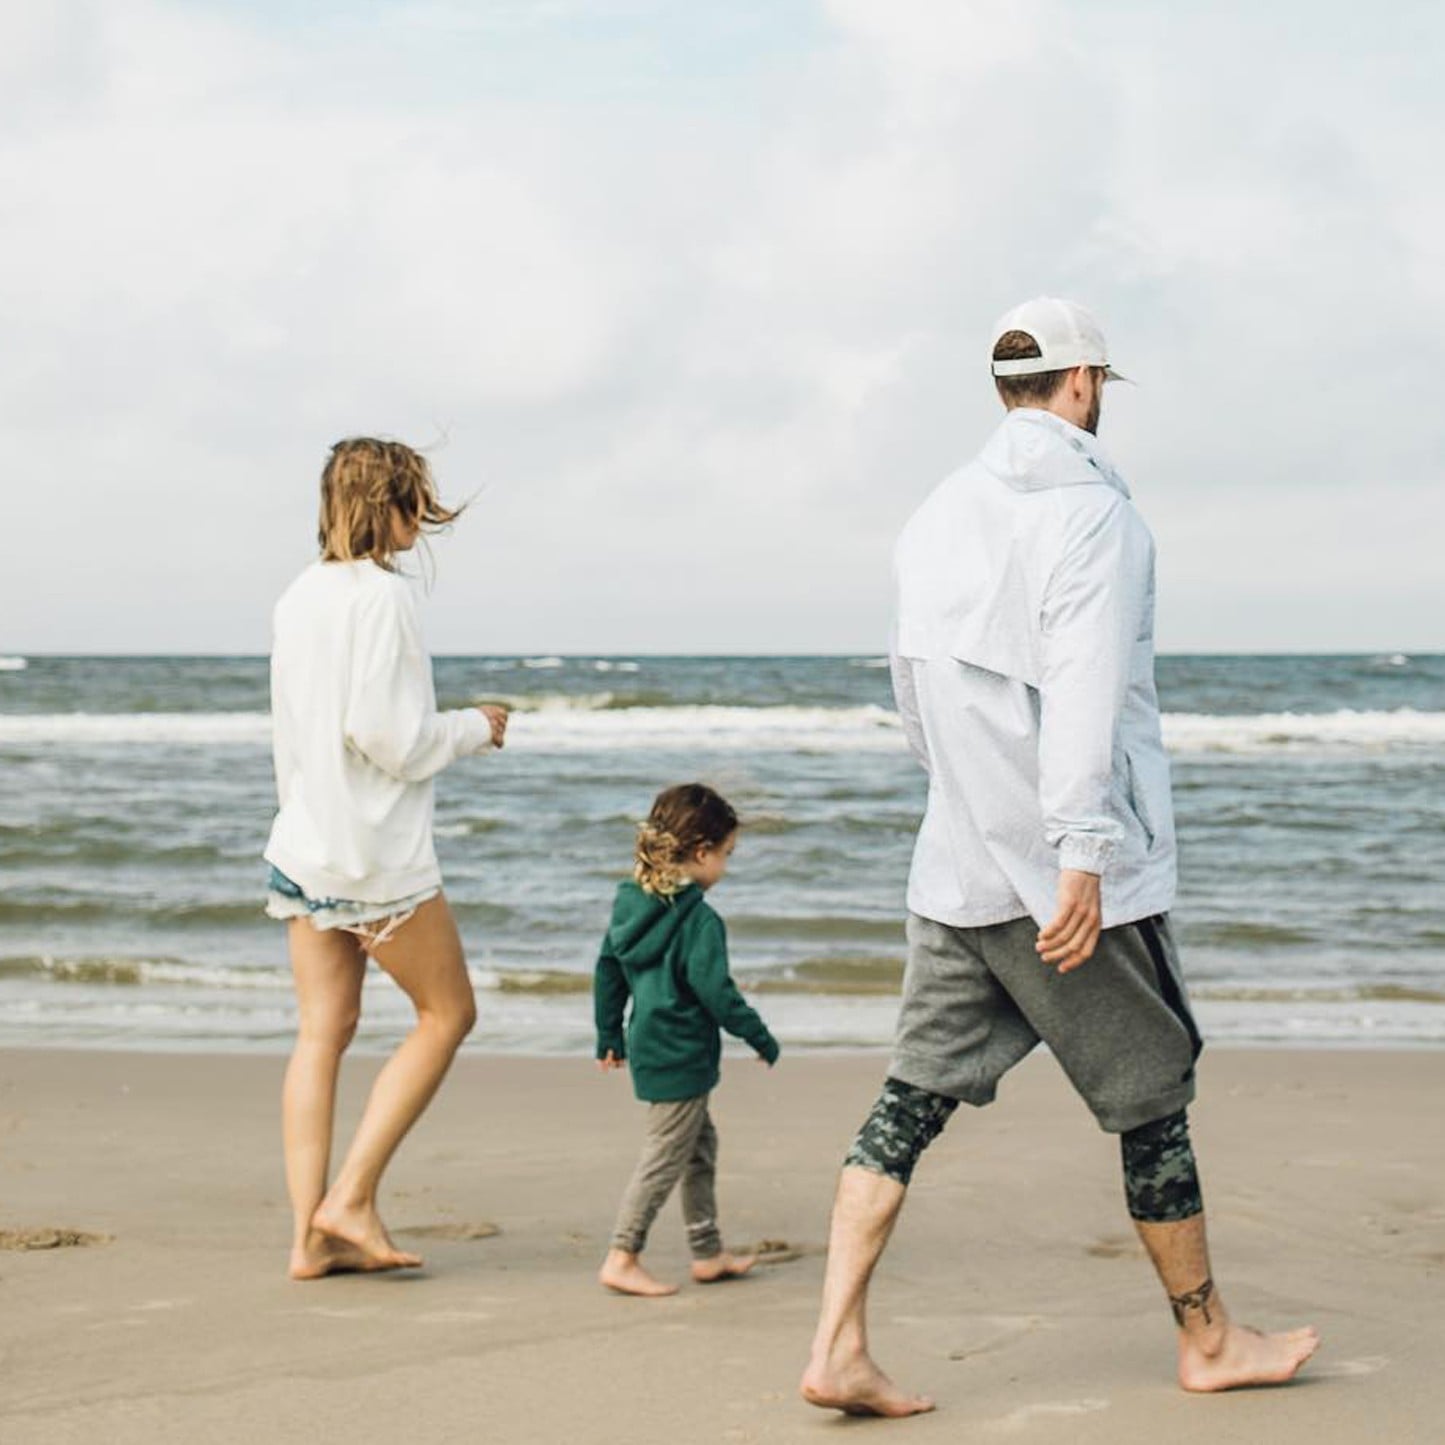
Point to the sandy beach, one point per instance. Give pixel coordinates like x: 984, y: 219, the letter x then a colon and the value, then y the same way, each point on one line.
x: 1014, y: 1291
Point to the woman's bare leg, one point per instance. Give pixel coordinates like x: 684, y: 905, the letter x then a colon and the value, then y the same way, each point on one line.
x: 425, y: 957
x: 328, y: 968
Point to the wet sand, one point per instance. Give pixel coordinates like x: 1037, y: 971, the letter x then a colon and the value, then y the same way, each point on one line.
x: 143, y: 1295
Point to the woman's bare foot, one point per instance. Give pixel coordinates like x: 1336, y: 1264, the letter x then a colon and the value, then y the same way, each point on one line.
x: 321, y: 1255
x: 623, y: 1272
x: 856, y: 1386
x: 1244, y: 1357
x: 722, y: 1266
x: 362, y: 1229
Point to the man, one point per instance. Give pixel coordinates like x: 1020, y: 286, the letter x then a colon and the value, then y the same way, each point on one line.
x: 1023, y: 666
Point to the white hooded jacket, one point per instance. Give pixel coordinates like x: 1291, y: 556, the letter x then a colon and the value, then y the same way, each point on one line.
x: 1023, y: 666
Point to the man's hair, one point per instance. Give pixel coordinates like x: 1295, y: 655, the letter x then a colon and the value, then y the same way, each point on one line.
x: 1035, y: 390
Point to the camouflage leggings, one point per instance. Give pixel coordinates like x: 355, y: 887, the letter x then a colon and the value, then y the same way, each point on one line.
x: 1161, y: 1182
x: 901, y: 1125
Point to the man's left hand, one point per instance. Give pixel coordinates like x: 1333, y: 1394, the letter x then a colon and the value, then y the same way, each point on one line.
x: 1070, y: 939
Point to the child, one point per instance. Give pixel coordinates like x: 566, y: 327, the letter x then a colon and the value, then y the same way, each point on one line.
x: 358, y: 740
x: 666, y: 948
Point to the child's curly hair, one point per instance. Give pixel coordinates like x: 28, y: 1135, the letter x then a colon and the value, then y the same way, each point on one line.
x: 363, y: 480
x: 683, y: 819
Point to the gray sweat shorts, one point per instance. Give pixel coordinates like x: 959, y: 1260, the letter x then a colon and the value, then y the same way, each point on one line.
x: 977, y: 1000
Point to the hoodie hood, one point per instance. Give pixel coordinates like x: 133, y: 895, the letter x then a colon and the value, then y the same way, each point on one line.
x: 1034, y: 450
x: 643, y: 925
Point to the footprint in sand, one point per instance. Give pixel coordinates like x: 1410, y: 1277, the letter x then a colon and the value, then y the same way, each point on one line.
x: 1006, y: 1329
x: 359, y: 1312
x: 777, y: 1251
x: 1349, y: 1369
x: 50, y: 1239
x: 1026, y: 1415
x: 480, y: 1230
x: 1116, y: 1246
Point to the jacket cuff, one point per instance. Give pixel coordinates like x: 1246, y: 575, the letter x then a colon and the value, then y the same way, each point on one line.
x: 478, y: 730
x: 1085, y: 853
x: 614, y: 1046
x: 770, y: 1050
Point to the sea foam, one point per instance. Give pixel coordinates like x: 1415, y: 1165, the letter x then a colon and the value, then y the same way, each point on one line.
x: 590, y: 725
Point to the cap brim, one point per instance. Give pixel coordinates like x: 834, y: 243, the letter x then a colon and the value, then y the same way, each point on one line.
x: 1111, y: 375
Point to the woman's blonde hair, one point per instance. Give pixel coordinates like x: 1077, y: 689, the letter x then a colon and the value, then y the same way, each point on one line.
x: 363, y: 484
x: 683, y: 819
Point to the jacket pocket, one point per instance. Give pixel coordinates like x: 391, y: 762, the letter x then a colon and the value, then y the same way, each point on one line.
x: 1134, y: 792
x: 1169, y: 987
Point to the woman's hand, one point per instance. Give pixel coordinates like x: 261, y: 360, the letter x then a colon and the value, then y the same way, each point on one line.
x: 497, y: 716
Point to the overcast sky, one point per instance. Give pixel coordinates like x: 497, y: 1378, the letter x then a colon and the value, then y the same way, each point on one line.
x: 693, y: 297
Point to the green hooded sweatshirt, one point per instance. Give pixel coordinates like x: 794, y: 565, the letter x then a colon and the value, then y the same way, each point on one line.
x: 670, y: 955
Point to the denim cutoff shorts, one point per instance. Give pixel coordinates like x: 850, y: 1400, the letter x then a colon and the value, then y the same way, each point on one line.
x: 373, y: 922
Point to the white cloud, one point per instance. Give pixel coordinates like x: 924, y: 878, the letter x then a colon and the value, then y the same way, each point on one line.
x: 702, y: 344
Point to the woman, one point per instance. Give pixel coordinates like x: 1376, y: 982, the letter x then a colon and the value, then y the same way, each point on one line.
x: 354, y: 872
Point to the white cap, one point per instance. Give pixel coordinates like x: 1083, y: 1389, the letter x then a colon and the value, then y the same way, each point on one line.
x: 1067, y: 334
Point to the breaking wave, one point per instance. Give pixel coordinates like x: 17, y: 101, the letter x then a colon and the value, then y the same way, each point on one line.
x: 608, y: 722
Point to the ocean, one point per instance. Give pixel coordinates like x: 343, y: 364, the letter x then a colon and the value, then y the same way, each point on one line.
x: 137, y: 794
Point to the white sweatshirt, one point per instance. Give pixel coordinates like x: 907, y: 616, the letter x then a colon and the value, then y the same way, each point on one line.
x: 1023, y: 666
x: 357, y: 736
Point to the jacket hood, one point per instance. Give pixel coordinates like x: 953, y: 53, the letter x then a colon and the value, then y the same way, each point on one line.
x: 1034, y: 450
x: 643, y: 925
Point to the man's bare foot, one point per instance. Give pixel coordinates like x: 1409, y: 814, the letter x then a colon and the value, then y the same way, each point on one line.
x: 362, y: 1229
x: 722, y: 1266
x: 623, y: 1272
x: 1245, y: 1357
x: 857, y: 1386
x: 321, y: 1255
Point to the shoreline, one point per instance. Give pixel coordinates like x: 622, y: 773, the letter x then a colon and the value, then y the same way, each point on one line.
x: 361, y: 1049
x: 1013, y: 1291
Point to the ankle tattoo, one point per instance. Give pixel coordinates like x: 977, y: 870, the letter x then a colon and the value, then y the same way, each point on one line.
x: 1194, y: 1299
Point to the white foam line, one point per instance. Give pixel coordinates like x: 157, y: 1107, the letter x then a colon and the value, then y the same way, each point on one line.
x: 1284, y: 731
x: 578, y: 727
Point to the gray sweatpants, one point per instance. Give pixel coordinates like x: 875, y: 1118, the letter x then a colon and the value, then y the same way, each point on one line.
x: 681, y: 1143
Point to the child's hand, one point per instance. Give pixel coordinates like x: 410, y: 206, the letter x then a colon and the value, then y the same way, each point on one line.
x: 611, y: 1061
x: 497, y: 716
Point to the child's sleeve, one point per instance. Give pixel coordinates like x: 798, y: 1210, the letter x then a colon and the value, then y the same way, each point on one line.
x: 609, y: 1002
x: 707, y: 973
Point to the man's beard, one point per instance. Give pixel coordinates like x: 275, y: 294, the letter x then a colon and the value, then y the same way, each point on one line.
x: 1091, y: 422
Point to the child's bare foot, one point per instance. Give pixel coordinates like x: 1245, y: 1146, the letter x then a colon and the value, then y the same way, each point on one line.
x: 321, y: 1255
x: 722, y: 1266
x: 362, y: 1229
x: 852, y: 1383
x: 623, y: 1272
x: 1244, y: 1357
